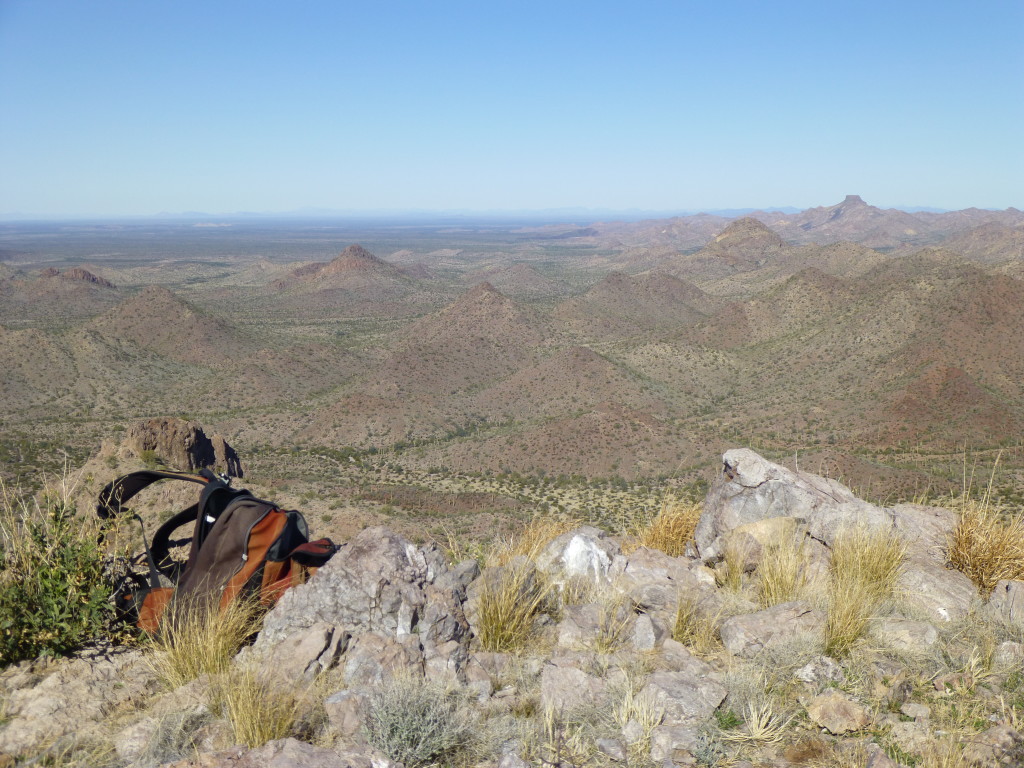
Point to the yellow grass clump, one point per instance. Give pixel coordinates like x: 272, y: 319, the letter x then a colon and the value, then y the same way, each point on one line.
x: 203, y: 640
x: 531, y: 540
x: 671, y: 529
x: 259, y: 707
x: 986, y: 545
x: 509, y: 600
x: 694, y: 629
x: 782, y: 573
x: 863, y: 572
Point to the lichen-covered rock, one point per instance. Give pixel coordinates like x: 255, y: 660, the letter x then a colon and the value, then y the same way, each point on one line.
x: 377, y: 582
x: 750, y: 488
x: 837, y: 713
x: 375, y: 657
x: 999, y: 746
x: 305, y: 654
x: 1007, y: 602
x: 748, y: 634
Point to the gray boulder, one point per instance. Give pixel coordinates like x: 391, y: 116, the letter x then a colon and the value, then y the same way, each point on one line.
x: 1007, y: 602
x: 751, y: 488
x: 377, y: 582
x: 686, y: 698
x: 748, y: 634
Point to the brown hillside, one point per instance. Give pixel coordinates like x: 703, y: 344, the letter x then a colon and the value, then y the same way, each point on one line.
x: 481, y: 337
x: 570, y: 380
x: 621, y: 305
x: 157, y: 320
x: 72, y: 295
x: 990, y: 243
x: 519, y: 281
x: 745, y: 244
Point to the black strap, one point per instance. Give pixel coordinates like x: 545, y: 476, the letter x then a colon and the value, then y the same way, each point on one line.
x: 161, y: 549
x: 117, y: 492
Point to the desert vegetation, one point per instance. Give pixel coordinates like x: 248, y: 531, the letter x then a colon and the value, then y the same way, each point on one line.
x: 578, y: 402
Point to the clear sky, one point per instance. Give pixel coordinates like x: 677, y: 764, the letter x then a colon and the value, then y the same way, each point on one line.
x: 143, y: 106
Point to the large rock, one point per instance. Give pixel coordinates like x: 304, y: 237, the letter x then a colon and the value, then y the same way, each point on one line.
x: 585, y: 552
x: 940, y: 592
x: 377, y: 582
x: 655, y: 581
x: 686, y: 698
x: 748, y: 634
x: 837, y: 713
x: 72, y: 699
x: 565, y: 688
x: 1007, y: 602
x: 751, y: 488
x: 182, y: 445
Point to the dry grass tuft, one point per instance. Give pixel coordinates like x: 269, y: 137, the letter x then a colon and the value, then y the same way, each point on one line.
x: 695, y: 630
x: 531, y: 541
x: 729, y: 572
x: 986, y: 545
x: 671, y: 529
x: 202, y: 641
x: 509, y: 600
x: 782, y: 573
x: 863, y: 572
x: 259, y: 706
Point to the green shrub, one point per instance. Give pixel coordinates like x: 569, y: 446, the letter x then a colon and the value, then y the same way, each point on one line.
x: 417, y: 723
x: 53, y: 596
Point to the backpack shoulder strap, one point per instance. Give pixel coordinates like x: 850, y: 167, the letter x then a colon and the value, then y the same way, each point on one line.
x: 117, y: 492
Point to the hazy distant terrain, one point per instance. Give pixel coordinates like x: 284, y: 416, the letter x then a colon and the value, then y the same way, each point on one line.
x: 877, y: 343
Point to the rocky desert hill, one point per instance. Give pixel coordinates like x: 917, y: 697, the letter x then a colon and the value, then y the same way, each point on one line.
x: 784, y: 622
x: 793, y: 336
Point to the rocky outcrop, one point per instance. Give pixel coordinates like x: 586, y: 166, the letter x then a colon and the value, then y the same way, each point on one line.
x: 182, y: 445
x: 750, y: 488
x: 753, y: 499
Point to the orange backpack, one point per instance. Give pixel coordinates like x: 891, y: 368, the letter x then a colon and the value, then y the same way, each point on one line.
x: 240, y: 545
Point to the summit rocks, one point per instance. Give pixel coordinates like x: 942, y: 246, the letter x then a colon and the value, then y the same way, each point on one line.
x: 182, y: 445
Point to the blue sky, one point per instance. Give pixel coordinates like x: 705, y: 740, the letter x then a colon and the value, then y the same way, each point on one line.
x: 142, y: 106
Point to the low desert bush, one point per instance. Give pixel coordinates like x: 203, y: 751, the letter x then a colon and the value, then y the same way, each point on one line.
x: 510, y: 599
x: 53, y: 594
x: 198, y: 640
x: 782, y: 573
x: 419, y: 723
x: 863, y: 572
